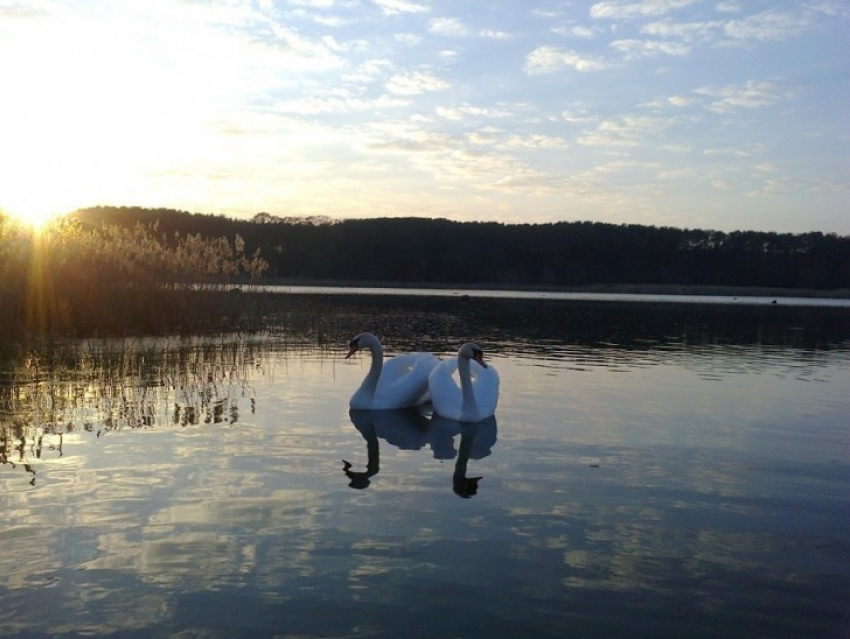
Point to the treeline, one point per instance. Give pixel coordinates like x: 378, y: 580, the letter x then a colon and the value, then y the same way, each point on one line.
x: 564, y: 254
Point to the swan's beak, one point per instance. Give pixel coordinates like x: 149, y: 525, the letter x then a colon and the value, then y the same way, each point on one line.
x: 351, y: 350
x: 479, y: 357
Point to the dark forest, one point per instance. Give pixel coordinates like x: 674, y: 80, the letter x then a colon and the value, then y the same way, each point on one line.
x: 564, y: 254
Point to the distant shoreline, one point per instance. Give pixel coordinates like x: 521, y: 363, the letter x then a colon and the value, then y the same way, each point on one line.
x: 629, y: 289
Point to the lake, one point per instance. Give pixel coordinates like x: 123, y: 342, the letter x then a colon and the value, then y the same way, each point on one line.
x: 653, y: 469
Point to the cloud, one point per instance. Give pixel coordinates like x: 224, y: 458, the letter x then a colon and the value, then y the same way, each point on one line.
x: 625, y: 131
x: 447, y: 27
x: 494, y: 34
x: 750, y: 95
x: 580, y: 32
x: 585, y: 33
x: 831, y: 8
x: 676, y: 174
x: 771, y: 188
x: 549, y: 59
x: 393, y: 7
x: 618, y: 9
x: 727, y: 7
x: 535, y: 141
x: 576, y: 118
x: 724, y: 185
x: 337, y: 104
x: 632, y: 49
x: 21, y: 10
x: 415, y: 83
x: 768, y: 25
x: 687, y: 31
x: 409, y: 39
x: 676, y: 101
x: 316, y: 4
x: 459, y: 112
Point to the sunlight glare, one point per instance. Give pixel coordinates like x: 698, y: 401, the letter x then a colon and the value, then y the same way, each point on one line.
x: 35, y: 217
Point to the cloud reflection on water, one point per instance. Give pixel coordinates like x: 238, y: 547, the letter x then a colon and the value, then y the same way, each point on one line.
x: 641, y: 478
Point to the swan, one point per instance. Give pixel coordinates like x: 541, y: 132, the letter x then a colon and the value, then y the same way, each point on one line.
x: 399, y: 382
x: 478, y: 394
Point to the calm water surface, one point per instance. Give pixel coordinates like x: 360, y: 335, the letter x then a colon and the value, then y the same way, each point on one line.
x: 648, y: 473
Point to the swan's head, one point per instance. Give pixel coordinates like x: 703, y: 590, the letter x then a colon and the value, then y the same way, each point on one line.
x: 472, y: 351
x: 363, y: 340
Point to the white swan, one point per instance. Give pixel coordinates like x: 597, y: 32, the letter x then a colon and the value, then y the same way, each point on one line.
x: 478, y: 394
x: 400, y: 382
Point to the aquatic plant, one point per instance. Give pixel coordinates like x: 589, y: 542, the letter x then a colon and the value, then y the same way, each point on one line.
x: 51, y: 398
x: 68, y: 280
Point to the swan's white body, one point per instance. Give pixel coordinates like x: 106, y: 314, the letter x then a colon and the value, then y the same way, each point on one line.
x: 398, y: 382
x: 476, y: 397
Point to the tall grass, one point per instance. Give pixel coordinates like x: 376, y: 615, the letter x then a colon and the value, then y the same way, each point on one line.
x: 64, y: 280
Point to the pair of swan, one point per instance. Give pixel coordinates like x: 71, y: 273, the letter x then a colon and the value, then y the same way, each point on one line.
x: 413, y: 379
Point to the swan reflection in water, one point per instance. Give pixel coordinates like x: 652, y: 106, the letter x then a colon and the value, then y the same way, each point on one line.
x: 411, y: 429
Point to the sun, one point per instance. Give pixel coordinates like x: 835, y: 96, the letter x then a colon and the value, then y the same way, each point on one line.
x: 36, y: 218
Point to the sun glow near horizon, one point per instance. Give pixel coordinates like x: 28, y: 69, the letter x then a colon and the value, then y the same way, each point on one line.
x: 34, y: 218
x: 99, y: 115
x: 375, y: 109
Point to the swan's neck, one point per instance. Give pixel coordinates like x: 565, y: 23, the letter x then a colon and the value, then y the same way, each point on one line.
x: 370, y: 383
x: 469, y: 406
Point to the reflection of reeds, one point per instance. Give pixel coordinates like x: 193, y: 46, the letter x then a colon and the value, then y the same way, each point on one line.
x: 100, y: 386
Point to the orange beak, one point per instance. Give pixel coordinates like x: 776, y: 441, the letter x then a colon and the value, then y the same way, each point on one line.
x: 479, y: 357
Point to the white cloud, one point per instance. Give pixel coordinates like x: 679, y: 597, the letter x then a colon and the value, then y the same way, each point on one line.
x: 576, y: 118
x: 771, y: 188
x: 728, y: 7
x: 409, y: 39
x: 619, y: 9
x: 724, y: 185
x: 679, y: 101
x: 316, y: 4
x: 768, y: 25
x: 676, y: 101
x: 766, y: 167
x: 368, y: 71
x: 392, y: 7
x: 832, y: 8
x: 579, y: 31
x: 494, y: 34
x: 549, y: 59
x: 632, y: 49
x: 676, y: 174
x: 583, y: 32
x: 687, y: 31
x: 750, y: 95
x: 415, y: 83
x: 535, y: 141
x: 337, y: 104
x: 449, y: 113
x: 459, y: 112
x: 625, y: 131
x: 447, y: 27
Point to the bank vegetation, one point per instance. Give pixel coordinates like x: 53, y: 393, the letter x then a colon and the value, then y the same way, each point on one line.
x: 66, y: 280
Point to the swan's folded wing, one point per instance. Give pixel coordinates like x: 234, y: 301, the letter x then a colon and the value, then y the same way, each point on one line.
x: 404, y: 378
x: 444, y: 388
x: 486, y: 383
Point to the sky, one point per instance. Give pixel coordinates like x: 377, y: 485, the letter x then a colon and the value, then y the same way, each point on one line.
x: 713, y: 114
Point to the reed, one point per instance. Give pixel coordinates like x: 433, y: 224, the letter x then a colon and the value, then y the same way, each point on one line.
x: 68, y: 281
